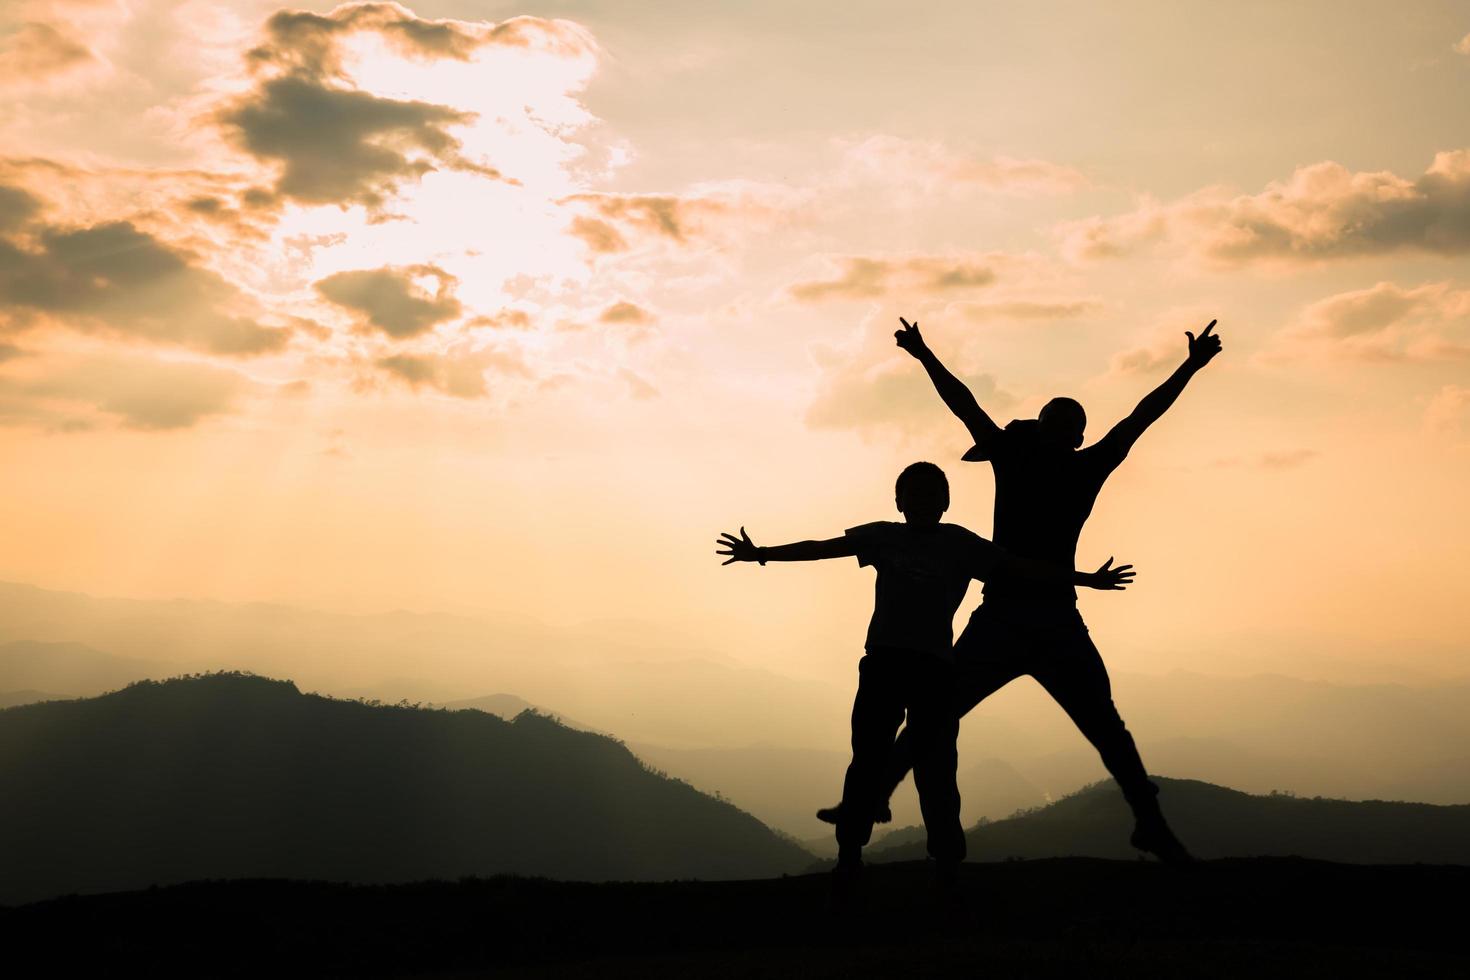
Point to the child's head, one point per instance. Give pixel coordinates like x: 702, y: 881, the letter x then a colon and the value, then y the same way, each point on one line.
x: 922, y: 493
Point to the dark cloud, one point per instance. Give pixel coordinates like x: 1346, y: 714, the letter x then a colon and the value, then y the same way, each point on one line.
x: 457, y: 373
x: 861, y: 277
x: 17, y: 207
x: 508, y: 318
x: 302, y: 41
x: 337, y: 145
x: 626, y: 313
x: 391, y: 300
x: 141, y: 394
x: 117, y: 278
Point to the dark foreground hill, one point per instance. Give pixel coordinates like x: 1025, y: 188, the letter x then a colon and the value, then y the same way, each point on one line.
x: 231, y: 776
x: 1070, y: 918
x: 1218, y: 822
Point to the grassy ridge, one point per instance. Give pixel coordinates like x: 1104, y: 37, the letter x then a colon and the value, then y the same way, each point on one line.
x: 1055, y: 918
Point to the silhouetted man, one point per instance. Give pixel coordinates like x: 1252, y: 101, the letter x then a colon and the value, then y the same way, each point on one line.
x: 924, y: 567
x: 1045, y: 486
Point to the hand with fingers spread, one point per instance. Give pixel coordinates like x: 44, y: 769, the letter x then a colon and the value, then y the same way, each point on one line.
x: 909, y: 337
x: 1110, y: 579
x: 739, y: 549
x: 1204, y: 347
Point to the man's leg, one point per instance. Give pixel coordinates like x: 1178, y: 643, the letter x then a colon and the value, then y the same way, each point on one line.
x: 877, y: 711
x: 1073, y: 673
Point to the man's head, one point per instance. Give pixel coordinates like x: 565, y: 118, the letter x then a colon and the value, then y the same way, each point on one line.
x: 1062, y: 422
x: 922, y: 493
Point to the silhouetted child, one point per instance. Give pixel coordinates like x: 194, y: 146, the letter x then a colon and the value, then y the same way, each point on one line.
x: 924, y: 568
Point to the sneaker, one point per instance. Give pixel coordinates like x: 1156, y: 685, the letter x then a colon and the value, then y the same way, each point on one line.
x: 833, y: 814
x: 1155, y: 837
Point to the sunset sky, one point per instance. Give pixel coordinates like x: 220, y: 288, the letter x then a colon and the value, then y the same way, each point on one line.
x: 467, y: 305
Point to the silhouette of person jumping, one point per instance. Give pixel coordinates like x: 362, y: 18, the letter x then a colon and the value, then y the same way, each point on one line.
x: 924, y: 567
x: 1045, y: 487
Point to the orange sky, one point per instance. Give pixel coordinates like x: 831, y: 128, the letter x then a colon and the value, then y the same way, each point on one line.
x: 377, y: 308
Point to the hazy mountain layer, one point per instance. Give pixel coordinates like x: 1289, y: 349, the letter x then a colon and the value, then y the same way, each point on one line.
x: 1215, y: 822
x: 230, y: 776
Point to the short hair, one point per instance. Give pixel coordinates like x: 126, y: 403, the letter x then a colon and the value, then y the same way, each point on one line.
x: 923, y: 476
x: 1068, y: 406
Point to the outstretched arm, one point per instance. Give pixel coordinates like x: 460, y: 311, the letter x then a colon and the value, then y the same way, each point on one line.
x: 951, y: 389
x: 1107, y: 577
x: 744, y: 549
x: 1202, y: 350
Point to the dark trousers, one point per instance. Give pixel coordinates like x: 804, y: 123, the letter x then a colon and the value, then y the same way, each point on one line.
x: 1004, y: 641
x: 893, y: 684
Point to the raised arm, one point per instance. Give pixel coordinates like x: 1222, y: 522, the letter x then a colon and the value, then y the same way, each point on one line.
x: 951, y: 389
x: 744, y: 549
x: 1202, y: 350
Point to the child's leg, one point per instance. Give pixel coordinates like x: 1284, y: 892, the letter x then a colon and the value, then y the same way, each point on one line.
x: 933, y: 728
x: 987, y: 657
x: 877, y: 711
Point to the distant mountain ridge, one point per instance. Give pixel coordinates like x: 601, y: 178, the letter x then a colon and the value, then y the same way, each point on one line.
x: 1216, y: 822
x: 229, y: 776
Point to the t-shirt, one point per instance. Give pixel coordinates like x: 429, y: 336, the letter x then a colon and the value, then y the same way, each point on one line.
x: 923, y: 572
x: 1043, y: 495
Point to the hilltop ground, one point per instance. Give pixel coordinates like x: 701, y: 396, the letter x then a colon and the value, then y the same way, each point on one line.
x: 1036, y: 919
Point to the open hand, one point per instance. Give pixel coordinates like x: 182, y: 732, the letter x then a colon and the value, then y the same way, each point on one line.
x: 909, y: 337
x: 739, y: 549
x: 1112, y: 579
x: 1203, y: 347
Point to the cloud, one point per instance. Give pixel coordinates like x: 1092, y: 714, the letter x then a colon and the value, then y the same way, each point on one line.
x: 17, y: 207
x: 865, y: 277
x: 599, y: 236
x: 144, y: 394
x: 934, y: 167
x: 611, y: 223
x: 114, y: 277
x: 458, y: 373
x: 508, y: 318
x: 340, y: 146
x: 616, y: 220
x: 1288, y: 459
x: 1448, y: 412
x: 311, y: 43
x: 1027, y: 309
x: 624, y: 312
x: 876, y: 387
x: 37, y: 52
x: 1166, y: 345
x: 392, y: 299
x: 638, y: 387
x: 334, y: 143
x: 1385, y: 322
x: 1322, y: 212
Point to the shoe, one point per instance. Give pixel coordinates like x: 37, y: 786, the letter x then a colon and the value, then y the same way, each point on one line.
x: 1155, y: 837
x: 833, y: 814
